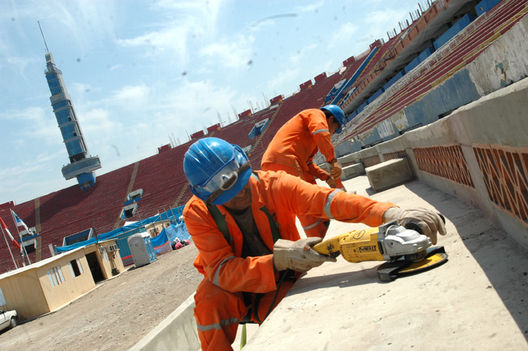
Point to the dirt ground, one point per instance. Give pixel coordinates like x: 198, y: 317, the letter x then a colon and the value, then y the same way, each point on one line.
x: 117, y: 313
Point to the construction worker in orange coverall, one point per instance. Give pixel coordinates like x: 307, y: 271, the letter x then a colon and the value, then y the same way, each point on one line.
x: 243, y: 225
x: 294, y: 146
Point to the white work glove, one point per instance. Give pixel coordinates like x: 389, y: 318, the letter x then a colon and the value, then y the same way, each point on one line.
x: 428, y: 221
x: 297, y: 255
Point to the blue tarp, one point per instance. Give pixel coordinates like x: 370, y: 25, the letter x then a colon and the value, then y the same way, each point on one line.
x: 161, y: 243
x: 128, y: 230
x: 177, y: 231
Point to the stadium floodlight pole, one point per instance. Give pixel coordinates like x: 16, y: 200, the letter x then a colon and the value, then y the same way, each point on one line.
x: 8, y: 247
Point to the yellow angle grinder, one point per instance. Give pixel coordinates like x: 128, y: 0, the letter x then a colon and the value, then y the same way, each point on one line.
x: 405, y: 250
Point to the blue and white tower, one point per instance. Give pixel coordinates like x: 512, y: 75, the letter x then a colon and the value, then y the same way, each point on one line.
x: 82, y: 165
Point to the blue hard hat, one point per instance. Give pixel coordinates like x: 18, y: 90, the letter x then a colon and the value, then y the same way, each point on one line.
x: 338, y: 113
x: 216, y: 170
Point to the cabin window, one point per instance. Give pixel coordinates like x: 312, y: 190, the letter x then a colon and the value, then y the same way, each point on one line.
x: 76, y: 268
x: 55, y: 276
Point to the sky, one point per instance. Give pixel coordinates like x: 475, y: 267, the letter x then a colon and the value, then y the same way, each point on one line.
x: 142, y: 74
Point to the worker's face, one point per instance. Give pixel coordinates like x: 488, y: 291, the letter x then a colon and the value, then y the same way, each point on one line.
x: 332, y: 125
x: 242, y: 200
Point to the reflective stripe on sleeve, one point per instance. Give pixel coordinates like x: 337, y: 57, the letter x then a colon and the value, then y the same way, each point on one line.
x: 222, y: 323
x: 216, y: 280
x: 327, y: 209
x: 314, y: 224
x: 320, y: 131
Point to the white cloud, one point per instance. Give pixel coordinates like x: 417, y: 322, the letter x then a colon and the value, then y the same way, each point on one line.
x: 39, y: 125
x: 385, y: 16
x: 232, y: 53
x: 171, y: 40
x: 297, y: 58
x: 182, y: 21
x: 378, y: 23
x: 195, y: 102
x: 21, y: 63
x: 131, y: 94
x: 345, y: 34
x: 310, y: 7
x: 205, y: 8
x: 87, y: 22
x: 98, y: 123
x: 19, y: 181
x: 284, y: 79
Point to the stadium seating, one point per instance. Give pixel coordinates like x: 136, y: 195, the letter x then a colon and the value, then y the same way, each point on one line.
x: 458, y: 53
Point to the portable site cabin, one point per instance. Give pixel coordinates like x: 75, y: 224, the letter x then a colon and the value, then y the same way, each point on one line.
x: 47, y: 285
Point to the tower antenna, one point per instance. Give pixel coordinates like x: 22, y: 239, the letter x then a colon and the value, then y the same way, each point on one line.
x: 43, y: 38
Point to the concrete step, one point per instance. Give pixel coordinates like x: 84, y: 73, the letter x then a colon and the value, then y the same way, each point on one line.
x: 353, y: 170
x: 389, y: 173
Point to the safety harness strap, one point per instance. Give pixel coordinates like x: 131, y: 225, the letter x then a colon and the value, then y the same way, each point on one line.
x: 273, y: 225
x: 220, y: 221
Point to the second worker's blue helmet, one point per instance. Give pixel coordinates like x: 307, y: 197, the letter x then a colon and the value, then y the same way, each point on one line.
x: 216, y: 170
x: 338, y: 113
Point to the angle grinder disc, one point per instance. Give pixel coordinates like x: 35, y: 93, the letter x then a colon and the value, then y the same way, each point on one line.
x: 391, y: 270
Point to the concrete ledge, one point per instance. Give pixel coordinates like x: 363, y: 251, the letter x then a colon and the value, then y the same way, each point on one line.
x: 352, y: 171
x: 388, y: 174
x: 176, y: 332
x: 347, y: 159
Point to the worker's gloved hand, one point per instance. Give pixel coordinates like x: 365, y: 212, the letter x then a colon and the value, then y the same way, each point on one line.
x: 297, y: 255
x: 335, y: 170
x: 428, y: 221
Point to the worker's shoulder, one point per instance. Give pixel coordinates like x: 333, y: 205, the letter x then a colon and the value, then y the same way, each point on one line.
x: 311, y: 112
x: 261, y: 175
x: 193, y: 204
x: 271, y: 180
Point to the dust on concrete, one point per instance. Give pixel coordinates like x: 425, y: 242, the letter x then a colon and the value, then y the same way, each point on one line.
x: 117, y: 313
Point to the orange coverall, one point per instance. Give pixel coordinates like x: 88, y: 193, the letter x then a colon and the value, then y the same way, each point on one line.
x: 219, y: 297
x: 292, y: 150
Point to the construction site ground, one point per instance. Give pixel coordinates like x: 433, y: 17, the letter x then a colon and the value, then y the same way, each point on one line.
x: 117, y: 313
x: 477, y: 300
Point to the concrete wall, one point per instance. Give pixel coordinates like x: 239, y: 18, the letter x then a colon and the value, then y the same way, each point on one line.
x: 479, y: 153
x: 503, y: 62
x: 176, y: 332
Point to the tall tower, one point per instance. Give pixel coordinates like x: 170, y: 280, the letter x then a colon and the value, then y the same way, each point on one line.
x: 82, y: 165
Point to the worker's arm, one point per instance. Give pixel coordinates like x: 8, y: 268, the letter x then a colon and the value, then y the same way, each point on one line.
x: 317, y: 171
x: 316, y: 123
x: 307, y: 199
x: 216, y: 259
x: 318, y: 127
